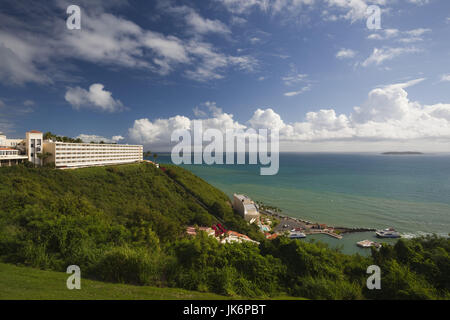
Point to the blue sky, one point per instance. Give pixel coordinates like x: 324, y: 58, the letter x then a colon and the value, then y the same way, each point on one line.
x: 137, y: 70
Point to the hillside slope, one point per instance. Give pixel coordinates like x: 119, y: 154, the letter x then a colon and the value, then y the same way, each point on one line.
x: 18, y: 283
x: 127, y: 194
x: 125, y: 224
x: 112, y: 221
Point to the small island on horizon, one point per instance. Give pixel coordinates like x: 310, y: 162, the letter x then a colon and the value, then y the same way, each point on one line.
x: 402, y: 153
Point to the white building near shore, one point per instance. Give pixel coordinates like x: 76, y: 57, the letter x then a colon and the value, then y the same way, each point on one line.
x: 78, y: 155
x: 245, y: 206
x: 12, y: 151
x: 65, y: 155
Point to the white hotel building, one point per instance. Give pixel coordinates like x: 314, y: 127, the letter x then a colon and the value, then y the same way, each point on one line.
x: 78, y: 155
x: 65, y: 155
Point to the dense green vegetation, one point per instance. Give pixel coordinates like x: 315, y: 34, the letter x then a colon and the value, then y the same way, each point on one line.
x: 215, y: 200
x: 126, y: 224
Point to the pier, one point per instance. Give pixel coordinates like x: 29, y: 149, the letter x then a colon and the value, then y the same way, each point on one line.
x: 332, y: 234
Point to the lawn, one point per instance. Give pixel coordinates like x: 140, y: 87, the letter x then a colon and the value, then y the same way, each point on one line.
x: 22, y: 283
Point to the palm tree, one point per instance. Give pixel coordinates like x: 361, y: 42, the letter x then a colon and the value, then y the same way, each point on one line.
x: 155, y: 156
x: 147, y: 154
x: 44, y: 156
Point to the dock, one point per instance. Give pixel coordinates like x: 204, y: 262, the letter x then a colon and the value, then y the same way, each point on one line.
x: 328, y: 233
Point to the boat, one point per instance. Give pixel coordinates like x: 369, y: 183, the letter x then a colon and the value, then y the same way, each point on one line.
x: 297, y: 235
x: 387, y: 233
x: 368, y: 244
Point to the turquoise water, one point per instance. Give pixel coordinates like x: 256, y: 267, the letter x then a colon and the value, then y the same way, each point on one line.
x: 409, y: 193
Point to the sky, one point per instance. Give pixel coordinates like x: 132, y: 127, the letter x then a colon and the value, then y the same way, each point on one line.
x: 316, y: 70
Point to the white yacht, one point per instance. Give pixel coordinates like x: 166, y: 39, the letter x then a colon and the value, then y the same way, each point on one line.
x: 387, y: 233
x: 297, y: 235
x: 368, y: 244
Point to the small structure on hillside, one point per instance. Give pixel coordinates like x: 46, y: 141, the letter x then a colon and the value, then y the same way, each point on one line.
x: 246, y: 207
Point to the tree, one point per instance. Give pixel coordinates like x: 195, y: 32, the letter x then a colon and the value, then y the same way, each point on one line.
x: 48, y: 136
x: 147, y: 154
x: 54, y: 137
x: 44, y: 156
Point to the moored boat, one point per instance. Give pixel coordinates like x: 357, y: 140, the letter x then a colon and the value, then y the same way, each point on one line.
x: 387, y: 233
x: 368, y: 244
x: 297, y: 235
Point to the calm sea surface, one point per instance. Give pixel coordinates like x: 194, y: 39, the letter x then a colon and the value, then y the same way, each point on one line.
x: 409, y: 193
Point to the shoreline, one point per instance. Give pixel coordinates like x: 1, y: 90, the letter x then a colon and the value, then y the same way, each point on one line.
x: 287, y: 223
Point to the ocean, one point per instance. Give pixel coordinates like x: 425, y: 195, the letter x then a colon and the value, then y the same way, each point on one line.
x: 408, y: 192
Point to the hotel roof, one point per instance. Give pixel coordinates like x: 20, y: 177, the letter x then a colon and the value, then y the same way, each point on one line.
x: 34, y: 131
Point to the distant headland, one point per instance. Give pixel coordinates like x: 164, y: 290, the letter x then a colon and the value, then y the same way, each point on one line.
x: 402, y: 153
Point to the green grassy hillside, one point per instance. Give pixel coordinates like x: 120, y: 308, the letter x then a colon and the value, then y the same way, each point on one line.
x: 20, y: 283
x: 127, y: 194
x: 125, y: 224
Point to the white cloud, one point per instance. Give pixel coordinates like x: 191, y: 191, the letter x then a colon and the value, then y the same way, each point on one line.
x: 211, y: 63
x: 445, y: 77
x: 199, y: 113
x: 296, y: 93
x: 289, y: 7
x: 263, y: 119
x: 384, y: 34
x: 196, y: 23
x: 419, y: 2
x: 117, y: 138
x: 255, y: 40
x: 418, y: 32
x: 87, y: 138
x: 409, y: 36
x: 345, y: 54
x: 28, y: 103
x: 294, y: 78
x: 235, y: 20
x: 96, y: 98
x: 157, y: 133
x: 353, y: 9
x: 19, y: 62
x: 379, y: 56
x: 387, y: 117
x: 202, y: 25
x: 34, y: 54
x: 243, y: 6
